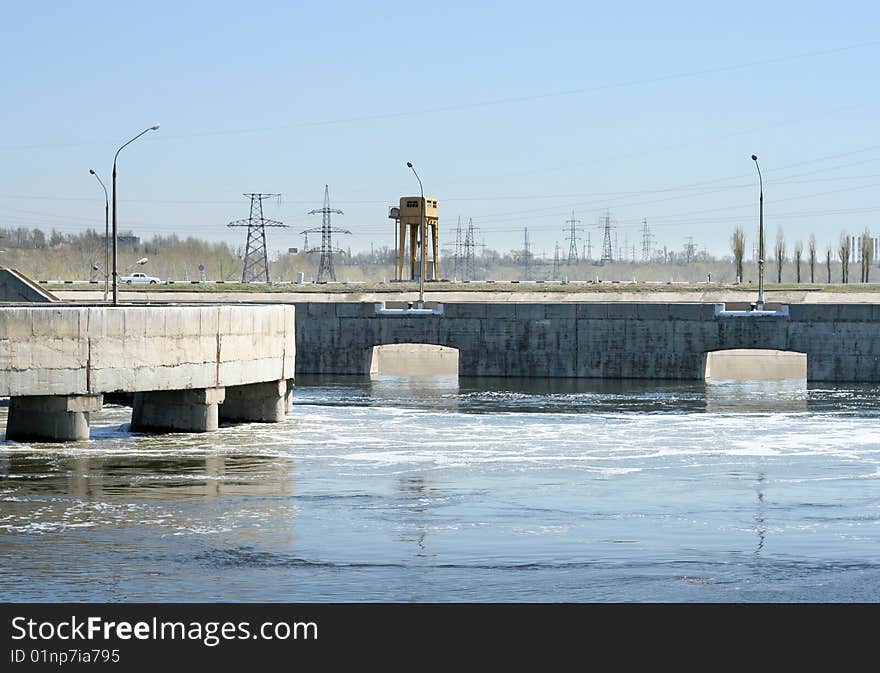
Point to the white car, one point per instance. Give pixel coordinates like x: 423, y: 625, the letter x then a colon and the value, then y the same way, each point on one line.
x: 139, y: 278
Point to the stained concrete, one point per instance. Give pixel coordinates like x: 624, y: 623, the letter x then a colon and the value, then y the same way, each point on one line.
x: 51, y: 417
x: 265, y: 402
x: 592, y: 340
x: 69, y: 350
x: 177, y: 361
x: 177, y: 410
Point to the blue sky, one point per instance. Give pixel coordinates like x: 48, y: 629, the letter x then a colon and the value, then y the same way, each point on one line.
x: 514, y: 114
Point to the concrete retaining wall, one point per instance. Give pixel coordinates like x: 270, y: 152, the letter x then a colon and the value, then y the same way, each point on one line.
x: 592, y: 340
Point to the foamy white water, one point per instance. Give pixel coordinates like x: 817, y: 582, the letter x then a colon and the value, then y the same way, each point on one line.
x: 439, y: 489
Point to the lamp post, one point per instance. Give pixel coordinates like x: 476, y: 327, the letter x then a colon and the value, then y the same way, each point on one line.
x: 759, y: 305
x: 106, y: 235
x: 423, y: 234
x: 115, y: 230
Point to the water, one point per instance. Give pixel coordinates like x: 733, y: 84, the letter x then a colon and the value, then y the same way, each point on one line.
x: 435, y: 489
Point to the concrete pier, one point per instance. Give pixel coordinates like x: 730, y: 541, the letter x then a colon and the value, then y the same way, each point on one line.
x: 258, y: 402
x: 51, y: 417
x: 177, y: 410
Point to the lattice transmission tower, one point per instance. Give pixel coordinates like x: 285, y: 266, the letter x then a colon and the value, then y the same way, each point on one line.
x: 647, y: 239
x: 469, y: 246
x: 607, y: 253
x: 556, y: 261
x: 527, y: 254
x: 573, y: 238
x: 325, y: 265
x: 458, y: 260
x: 256, y: 260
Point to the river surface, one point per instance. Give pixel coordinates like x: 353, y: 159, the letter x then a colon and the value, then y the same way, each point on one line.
x: 438, y: 489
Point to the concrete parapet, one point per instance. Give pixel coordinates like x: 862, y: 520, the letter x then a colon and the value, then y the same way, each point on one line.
x: 53, y: 418
x: 193, y: 410
x: 258, y: 402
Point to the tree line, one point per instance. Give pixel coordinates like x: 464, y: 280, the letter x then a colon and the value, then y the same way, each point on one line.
x: 865, y: 253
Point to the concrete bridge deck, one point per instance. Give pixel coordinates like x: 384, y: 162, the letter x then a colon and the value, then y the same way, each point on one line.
x: 188, y: 366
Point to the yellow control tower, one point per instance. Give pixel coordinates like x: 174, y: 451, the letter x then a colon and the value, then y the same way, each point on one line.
x: 414, y: 228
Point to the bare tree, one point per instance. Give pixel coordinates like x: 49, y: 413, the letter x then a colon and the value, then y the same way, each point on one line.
x: 780, y: 254
x: 738, y: 248
x: 811, y: 248
x: 828, y: 262
x: 844, y: 250
x: 867, y: 254
x: 798, y: 254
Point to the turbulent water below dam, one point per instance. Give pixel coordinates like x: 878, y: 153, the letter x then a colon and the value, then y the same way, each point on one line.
x: 431, y: 488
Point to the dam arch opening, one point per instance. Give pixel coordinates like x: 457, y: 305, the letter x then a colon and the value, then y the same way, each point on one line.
x: 414, y: 359
x: 755, y: 364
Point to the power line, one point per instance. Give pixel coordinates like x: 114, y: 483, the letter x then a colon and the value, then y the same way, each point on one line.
x: 492, y: 102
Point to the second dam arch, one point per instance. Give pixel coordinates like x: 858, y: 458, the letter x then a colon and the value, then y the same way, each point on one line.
x: 754, y: 364
x: 413, y: 359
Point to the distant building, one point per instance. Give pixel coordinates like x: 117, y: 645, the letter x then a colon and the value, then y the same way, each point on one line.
x: 126, y: 239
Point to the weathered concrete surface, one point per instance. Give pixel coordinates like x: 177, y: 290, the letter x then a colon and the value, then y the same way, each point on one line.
x: 15, y: 286
x: 177, y: 410
x: 592, y: 340
x: 258, y: 402
x: 51, y: 417
x: 177, y: 360
x: 66, y: 350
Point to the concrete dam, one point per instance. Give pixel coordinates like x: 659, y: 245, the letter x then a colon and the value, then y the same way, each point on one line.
x: 592, y: 340
x: 189, y: 367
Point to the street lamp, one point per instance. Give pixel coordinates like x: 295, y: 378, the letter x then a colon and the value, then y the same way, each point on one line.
x: 106, y: 235
x: 759, y: 305
x: 423, y: 234
x: 115, y: 231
